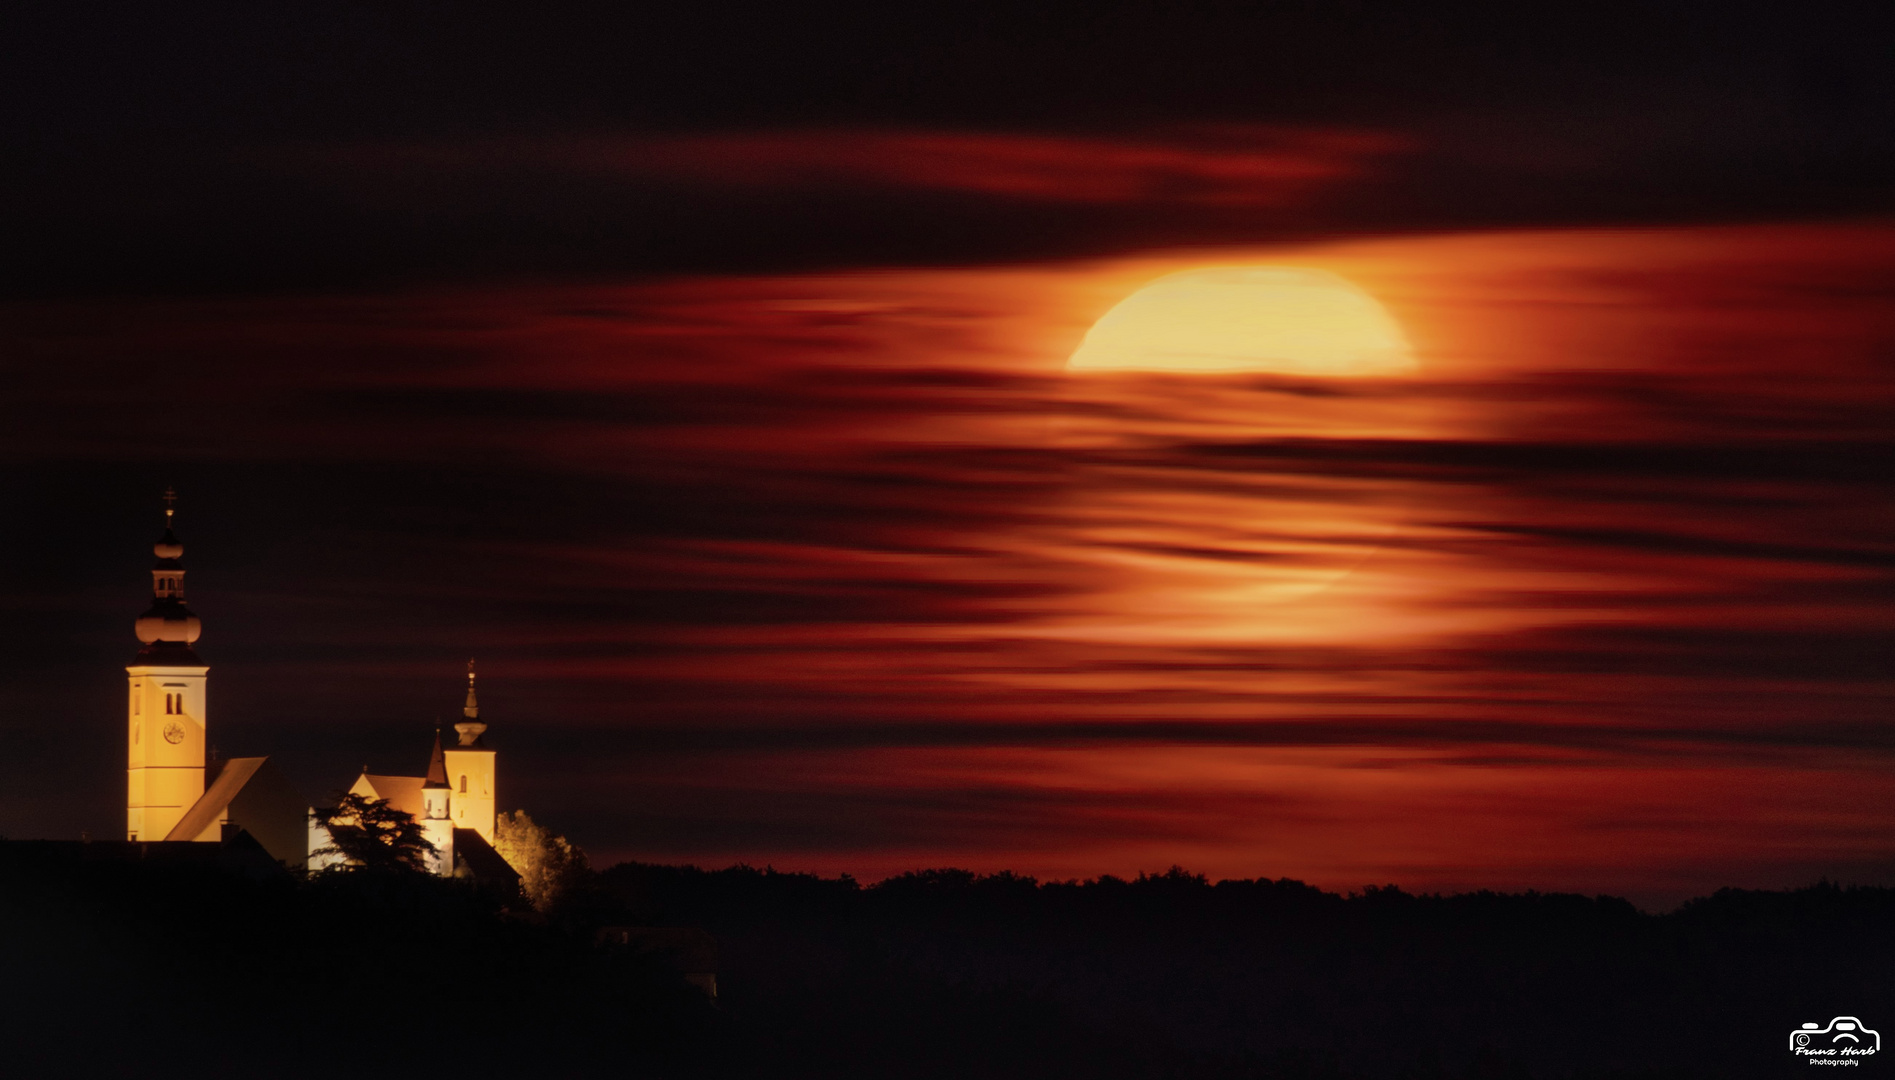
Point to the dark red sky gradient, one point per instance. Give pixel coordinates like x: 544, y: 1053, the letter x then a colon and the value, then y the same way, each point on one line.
x: 699, y: 369
x: 842, y: 572
x: 1212, y: 165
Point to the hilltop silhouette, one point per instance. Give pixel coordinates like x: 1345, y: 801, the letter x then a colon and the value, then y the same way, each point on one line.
x: 236, y: 971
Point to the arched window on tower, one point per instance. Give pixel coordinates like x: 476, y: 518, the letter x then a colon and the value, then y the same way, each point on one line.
x: 463, y: 783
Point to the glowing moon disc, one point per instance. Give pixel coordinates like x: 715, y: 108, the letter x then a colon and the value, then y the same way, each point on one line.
x: 1236, y: 319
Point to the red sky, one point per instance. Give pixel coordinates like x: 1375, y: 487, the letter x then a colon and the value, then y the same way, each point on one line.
x: 1231, y: 165
x: 841, y: 571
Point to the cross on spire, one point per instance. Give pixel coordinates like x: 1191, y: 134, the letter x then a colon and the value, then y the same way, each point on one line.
x: 170, y: 504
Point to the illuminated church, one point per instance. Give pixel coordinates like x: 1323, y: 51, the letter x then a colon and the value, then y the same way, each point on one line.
x: 177, y: 791
x: 454, y: 802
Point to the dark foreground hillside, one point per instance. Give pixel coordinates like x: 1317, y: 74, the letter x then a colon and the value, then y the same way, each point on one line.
x: 1171, y: 975
x: 114, y: 967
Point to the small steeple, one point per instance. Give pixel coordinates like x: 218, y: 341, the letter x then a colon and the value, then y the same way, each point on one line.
x: 437, y: 808
x: 437, y: 765
x: 471, y: 710
x: 470, y: 729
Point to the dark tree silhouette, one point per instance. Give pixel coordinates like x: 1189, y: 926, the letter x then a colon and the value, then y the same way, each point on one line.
x: 371, y: 835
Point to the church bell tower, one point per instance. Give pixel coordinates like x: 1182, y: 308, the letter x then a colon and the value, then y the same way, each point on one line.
x: 437, y: 823
x: 470, y: 771
x: 165, y: 714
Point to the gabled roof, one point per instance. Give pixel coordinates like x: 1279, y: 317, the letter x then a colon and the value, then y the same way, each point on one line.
x: 474, y: 857
x: 235, y: 773
x: 402, y: 792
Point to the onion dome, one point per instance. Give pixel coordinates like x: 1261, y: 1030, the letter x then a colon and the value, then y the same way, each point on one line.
x: 168, y: 628
x: 166, y: 623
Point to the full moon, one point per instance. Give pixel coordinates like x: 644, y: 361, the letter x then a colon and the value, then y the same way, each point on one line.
x: 1235, y: 319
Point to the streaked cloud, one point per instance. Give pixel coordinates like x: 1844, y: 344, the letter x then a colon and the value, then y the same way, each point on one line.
x: 1230, y: 166
x: 844, y: 568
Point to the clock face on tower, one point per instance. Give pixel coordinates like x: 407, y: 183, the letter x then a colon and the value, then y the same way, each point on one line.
x: 174, y: 732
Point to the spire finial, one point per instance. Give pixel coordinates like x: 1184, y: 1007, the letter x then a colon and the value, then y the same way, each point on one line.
x: 170, y: 504
x: 472, y: 709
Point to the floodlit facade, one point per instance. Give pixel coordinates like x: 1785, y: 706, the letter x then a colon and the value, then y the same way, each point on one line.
x: 177, y: 791
x: 165, y: 713
x: 470, y: 769
x: 454, y: 802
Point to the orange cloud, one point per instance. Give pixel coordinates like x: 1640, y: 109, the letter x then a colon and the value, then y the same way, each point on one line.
x: 844, y: 567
